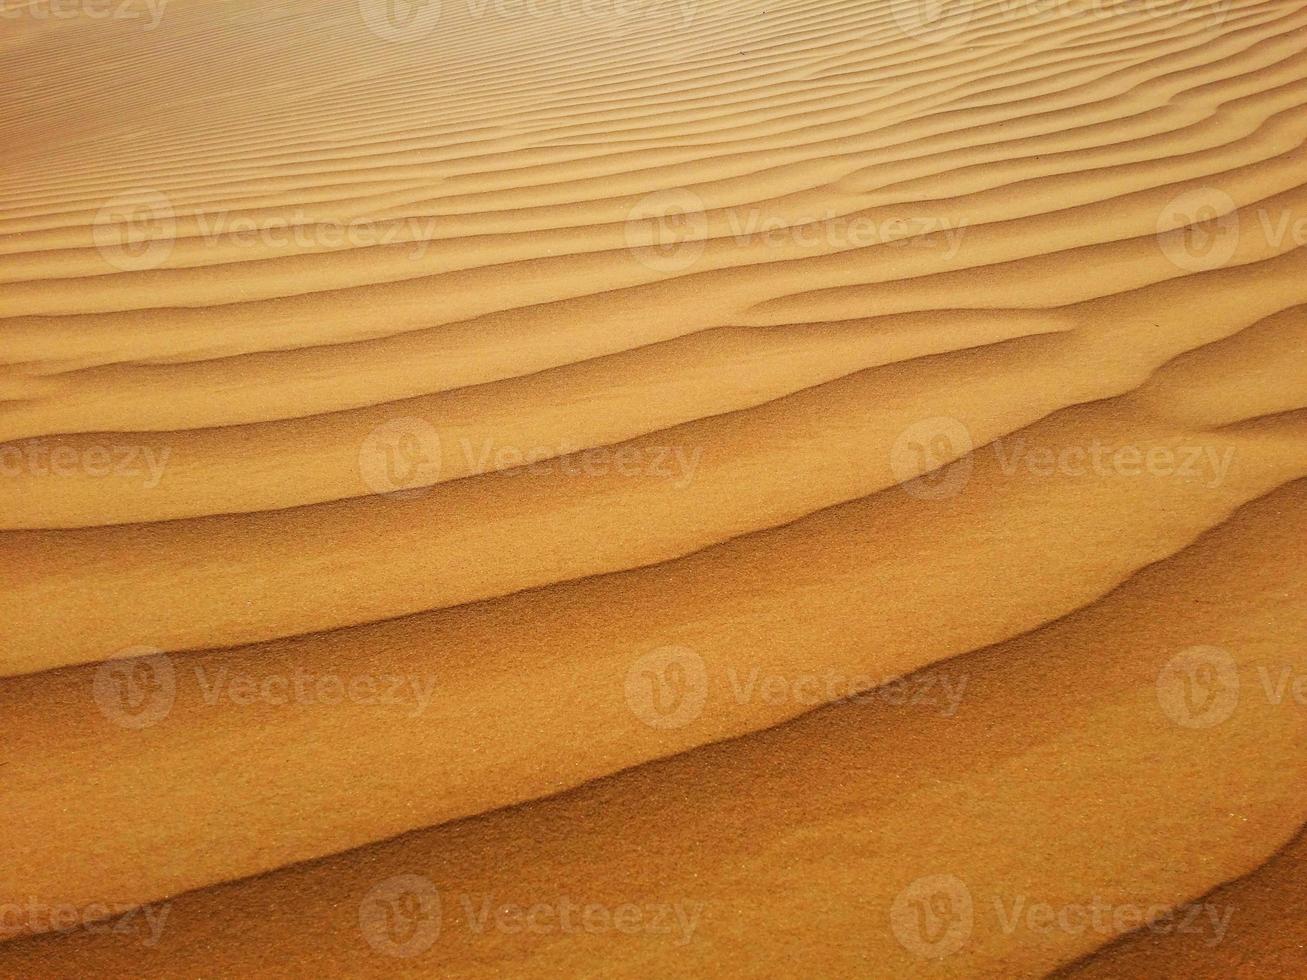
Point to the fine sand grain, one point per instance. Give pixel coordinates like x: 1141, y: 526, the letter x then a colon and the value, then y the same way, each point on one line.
x: 667, y: 488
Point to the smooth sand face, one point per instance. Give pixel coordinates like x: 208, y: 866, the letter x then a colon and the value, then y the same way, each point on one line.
x: 653, y: 489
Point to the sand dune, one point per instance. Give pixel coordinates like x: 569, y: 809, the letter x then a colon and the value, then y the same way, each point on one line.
x: 828, y: 477
x: 800, y: 837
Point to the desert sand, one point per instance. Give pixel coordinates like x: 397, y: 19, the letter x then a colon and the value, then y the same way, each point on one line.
x: 628, y: 488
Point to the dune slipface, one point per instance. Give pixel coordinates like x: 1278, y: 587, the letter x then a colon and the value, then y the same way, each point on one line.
x: 657, y: 488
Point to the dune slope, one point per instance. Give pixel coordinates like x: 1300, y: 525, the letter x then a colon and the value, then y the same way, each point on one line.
x: 827, y: 475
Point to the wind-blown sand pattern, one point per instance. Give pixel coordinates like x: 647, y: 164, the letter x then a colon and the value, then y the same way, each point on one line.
x: 592, y: 488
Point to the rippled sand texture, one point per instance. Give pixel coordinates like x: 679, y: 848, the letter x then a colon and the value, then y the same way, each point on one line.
x: 627, y: 489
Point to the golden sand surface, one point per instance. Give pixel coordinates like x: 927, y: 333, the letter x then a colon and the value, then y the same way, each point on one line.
x: 632, y: 488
